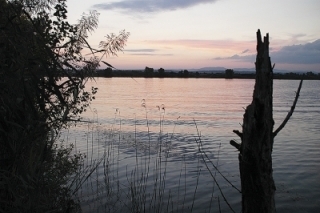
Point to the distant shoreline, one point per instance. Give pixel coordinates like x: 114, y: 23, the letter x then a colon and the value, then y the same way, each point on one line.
x: 108, y: 73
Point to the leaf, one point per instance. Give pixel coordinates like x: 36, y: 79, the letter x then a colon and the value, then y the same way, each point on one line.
x: 109, y: 65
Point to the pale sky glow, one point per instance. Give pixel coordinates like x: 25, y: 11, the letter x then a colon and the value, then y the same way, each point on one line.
x: 187, y: 34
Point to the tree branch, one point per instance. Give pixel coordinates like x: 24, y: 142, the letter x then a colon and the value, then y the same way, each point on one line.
x: 235, y: 144
x: 238, y: 133
x: 290, y: 112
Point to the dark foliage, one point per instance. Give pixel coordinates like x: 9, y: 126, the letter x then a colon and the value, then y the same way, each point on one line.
x: 42, y: 89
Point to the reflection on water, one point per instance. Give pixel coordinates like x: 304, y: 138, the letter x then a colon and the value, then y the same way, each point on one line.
x: 136, y: 118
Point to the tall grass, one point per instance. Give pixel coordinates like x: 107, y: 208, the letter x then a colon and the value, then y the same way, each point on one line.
x: 138, y: 181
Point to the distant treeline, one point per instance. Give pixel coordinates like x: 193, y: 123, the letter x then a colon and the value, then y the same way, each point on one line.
x: 229, y: 74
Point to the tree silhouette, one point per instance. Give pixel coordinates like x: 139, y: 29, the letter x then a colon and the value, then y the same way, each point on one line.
x: 43, y: 72
x: 161, y: 72
x: 257, y: 137
x: 108, y: 72
x: 148, y: 72
x: 229, y: 73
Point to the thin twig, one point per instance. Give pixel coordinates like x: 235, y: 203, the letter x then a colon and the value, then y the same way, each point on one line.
x: 290, y: 112
x: 213, y: 177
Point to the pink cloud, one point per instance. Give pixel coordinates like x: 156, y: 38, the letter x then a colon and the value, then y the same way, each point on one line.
x: 206, y: 44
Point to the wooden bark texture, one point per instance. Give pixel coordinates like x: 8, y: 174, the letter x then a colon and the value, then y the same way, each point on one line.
x: 255, y: 158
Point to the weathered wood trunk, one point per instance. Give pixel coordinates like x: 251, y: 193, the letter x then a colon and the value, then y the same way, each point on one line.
x: 257, y: 184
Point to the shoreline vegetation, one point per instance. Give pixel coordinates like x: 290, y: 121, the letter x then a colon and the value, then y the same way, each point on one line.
x: 38, y: 46
x: 145, y: 184
x: 228, y: 74
x: 38, y: 172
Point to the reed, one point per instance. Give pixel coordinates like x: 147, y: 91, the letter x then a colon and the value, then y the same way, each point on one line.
x: 139, y: 183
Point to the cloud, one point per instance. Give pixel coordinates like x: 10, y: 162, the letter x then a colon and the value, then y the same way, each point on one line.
x: 140, y: 50
x: 205, y: 44
x: 308, y: 53
x: 246, y: 58
x: 150, y: 54
x: 145, y: 52
x: 245, y: 51
x: 147, y: 6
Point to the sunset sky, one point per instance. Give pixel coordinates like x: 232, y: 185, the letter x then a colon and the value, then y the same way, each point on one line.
x: 191, y: 34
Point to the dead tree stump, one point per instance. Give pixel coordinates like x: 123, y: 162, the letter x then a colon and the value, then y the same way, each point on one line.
x: 255, y: 160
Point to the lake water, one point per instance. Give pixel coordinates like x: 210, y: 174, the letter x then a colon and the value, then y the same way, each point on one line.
x: 149, y: 132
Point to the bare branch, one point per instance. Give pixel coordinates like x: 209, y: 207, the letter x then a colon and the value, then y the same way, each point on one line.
x: 238, y: 133
x: 235, y: 144
x: 290, y: 112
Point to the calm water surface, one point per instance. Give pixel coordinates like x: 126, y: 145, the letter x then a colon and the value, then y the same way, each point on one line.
x: 139, y: 118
